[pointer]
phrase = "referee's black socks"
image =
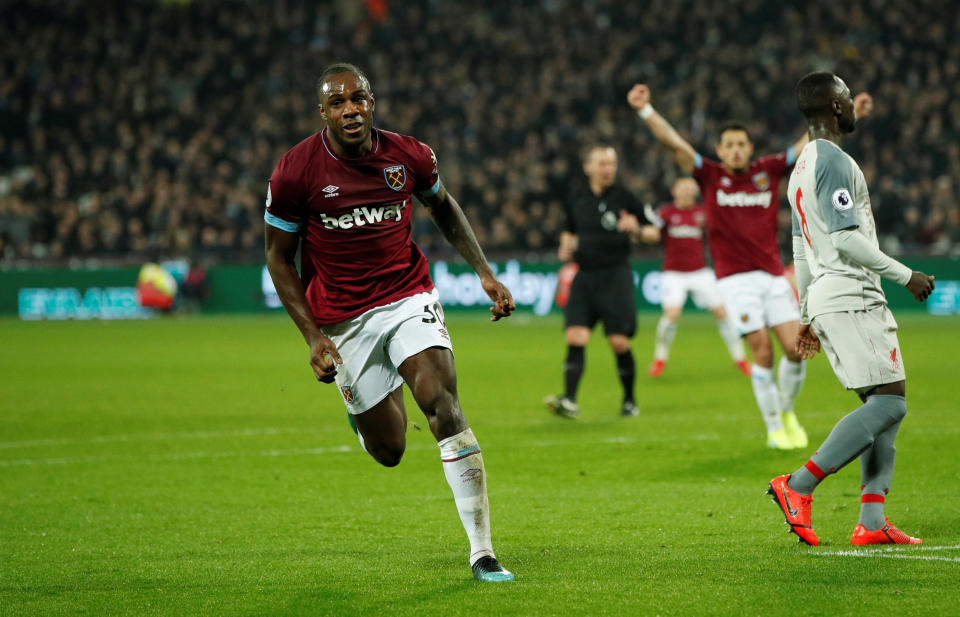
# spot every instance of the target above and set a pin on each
(573, 371)
(627, 371)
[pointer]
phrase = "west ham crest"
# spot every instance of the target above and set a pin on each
(347, 394)
(396, 176)
(761, 181)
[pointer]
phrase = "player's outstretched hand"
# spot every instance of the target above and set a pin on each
(920, 285)
(863, 105)
(324, 358)
(638, 96)
(807, 342)
(503, 303)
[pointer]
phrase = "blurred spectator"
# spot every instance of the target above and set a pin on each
(136, 128)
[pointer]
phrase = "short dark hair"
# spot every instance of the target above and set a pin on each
(732, 125)
(335, 69)
(587, 150)
(815, 91)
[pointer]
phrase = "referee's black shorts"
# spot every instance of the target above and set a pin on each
(606, 295)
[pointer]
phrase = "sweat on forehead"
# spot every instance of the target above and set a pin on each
(340, 72)
(343, 82)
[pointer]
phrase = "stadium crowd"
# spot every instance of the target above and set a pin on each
(146, 129)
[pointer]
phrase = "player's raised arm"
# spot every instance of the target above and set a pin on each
(452, 222)
(639, 99)
(281, 251)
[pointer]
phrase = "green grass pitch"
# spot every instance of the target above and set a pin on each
(192, 466)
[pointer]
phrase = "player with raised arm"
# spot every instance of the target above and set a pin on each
(741, 198)
(364, 300)
(844, 312)
(685, 272)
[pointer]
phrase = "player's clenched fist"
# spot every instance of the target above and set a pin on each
(920, 285)
(503, 303)
(862, 105)
(324, 367)
(638, 96)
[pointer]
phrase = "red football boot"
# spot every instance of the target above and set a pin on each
(744, 367)
(656, 369)
(796, 509)
(888, 534)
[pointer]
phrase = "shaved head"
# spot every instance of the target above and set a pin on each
(822, 95)
(816, 92)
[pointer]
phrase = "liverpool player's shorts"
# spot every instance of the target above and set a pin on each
(757, 299)
(862, 347)
(604, 294)
(373, 344)
(701, 284)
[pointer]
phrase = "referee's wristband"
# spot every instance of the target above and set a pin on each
(645, 112)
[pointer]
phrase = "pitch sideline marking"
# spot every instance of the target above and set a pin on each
(895, 552)
(26, 462)
(66, 441)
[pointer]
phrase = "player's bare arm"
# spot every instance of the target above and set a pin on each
(452, 222)
(639, 99)
(281, 251)
(568, 246)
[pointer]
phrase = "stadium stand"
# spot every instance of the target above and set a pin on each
(133, 130)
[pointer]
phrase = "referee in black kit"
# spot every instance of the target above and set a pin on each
(602, 220)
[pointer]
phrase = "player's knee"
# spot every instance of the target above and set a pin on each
(763, 357)
(898, 409)
(578, 336)
(619, 344)
(387, 453)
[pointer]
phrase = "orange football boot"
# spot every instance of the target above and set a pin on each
(744, 367)
(888, 534)
(796, 509)
(656, 369)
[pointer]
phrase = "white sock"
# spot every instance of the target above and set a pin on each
(666, 330)
(768, 399)
(790, 376)
(729, 335)
(463, 466)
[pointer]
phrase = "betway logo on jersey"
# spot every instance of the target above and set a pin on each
(684, 231)
(742, 199)
(364, 215)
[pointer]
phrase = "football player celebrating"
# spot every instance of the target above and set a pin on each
(364, 301)
(685, 272)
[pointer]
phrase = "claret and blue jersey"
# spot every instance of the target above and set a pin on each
(354, 219)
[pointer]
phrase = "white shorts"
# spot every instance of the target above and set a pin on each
(374, 344)
(757, 299)
(862, 347)
(701, 284)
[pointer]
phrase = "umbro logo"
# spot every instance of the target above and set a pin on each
(330, 190)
